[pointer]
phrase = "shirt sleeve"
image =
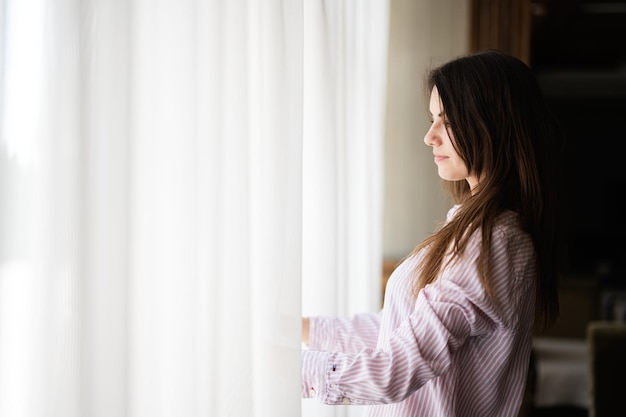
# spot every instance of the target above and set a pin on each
(446, 314)
(342, 334)
(420, 349)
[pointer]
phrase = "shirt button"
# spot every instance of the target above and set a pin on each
(346, 400)
(312, 393)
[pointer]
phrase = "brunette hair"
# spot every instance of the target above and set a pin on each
(507, 136)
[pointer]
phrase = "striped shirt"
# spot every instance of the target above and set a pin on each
(453, 351)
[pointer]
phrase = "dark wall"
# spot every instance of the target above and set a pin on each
(578, 50)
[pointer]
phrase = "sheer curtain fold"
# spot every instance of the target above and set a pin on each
(345, 69)
(217, 141)
(153, 198)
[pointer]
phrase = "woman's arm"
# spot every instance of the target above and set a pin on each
(447, 313)
(341, 334)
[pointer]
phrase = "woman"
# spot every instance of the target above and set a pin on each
(454, 336)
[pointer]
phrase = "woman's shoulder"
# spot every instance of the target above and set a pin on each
(452, 211)
(508, 232)
(509, 221)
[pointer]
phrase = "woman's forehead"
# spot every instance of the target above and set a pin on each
(436, 107)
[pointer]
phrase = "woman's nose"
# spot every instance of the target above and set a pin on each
(430, 137)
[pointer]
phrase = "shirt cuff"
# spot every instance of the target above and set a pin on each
(320, 375)
(314, 369)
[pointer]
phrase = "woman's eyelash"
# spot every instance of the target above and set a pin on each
(445, 122)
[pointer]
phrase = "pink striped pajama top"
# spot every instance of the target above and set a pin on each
(451, 352)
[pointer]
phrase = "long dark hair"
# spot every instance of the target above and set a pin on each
(506, 136)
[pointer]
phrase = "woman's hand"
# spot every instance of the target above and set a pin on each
(305, 330)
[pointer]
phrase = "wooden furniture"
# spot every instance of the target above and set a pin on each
(607, 368)
(504, 25)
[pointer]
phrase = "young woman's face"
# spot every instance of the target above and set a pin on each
(450, 166)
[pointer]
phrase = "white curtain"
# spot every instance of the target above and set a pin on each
(152, 207)
(345, 73)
